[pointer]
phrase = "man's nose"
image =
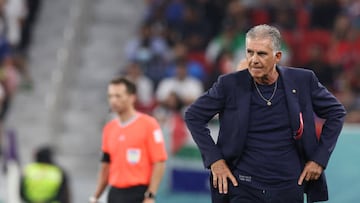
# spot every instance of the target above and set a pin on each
(255, 58)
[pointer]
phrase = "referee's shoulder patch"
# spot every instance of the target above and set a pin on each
(158, 136)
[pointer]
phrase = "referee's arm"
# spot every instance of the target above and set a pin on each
(157, 174)
(102, 177)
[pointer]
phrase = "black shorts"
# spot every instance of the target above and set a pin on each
(127, 195)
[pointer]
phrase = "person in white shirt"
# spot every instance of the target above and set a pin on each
(145, 94)
(186, 87)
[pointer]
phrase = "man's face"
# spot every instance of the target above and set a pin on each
(119, 99)
(261, 58)
(181, 71)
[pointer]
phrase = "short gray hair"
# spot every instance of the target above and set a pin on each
(266, 31)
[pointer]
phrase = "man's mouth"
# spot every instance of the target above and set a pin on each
(257, 68)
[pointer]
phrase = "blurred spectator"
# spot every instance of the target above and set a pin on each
(170, 116)
(2, 101)
(222, 65)
(353, 117)
(341, 27)
(172, 104)
(229, 39)
(194, 29)
(180, 53)
(44, 181)
(323, 70)
(188, 88)
(166, 17)
(354, 89)
(283, 17)
(174, 13)
(146, 45)
(162, 28)
(343, 50)
(150, 50)
(17, 18)
(286, 54)
(33, 9)
(237, 13)
(213, 11)
(320, 34)
(323, 13)
(15, 14)
(355, 79)
(9, 80)
(353, 11)
(145, 100)
(9, 76)
(2, 17)
(343, 91)
(5, 48)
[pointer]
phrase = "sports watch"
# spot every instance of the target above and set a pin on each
(149, 195)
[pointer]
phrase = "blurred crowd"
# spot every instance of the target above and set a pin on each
(182, 46)
(17, 19)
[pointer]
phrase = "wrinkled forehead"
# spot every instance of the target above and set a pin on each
(259, 44)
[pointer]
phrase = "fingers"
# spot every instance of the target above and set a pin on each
(224, 186)
(312, 171)
(221, 183)
(214, 182)
(233, 180)
(301, 179)
(221, 173)
(308, 176)
(317, 176)
(225, 183)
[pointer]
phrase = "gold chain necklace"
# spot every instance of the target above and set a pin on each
(268, 101)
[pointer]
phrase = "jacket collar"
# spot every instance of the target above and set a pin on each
(291, 88)
(292, 91)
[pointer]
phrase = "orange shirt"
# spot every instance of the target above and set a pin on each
(133, 148)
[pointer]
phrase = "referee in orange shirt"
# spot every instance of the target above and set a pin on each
(134, 155)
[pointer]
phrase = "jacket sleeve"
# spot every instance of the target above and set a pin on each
(327, 107)
(197, 117)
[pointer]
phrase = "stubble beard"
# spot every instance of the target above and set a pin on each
(266, 79)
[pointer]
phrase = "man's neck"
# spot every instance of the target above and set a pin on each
(127, 116)
(268, 79)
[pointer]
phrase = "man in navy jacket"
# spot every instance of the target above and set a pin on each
(267, 149)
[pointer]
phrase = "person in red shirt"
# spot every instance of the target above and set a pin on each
(134, 153)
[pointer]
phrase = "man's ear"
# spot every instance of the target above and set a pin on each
(278, 56)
